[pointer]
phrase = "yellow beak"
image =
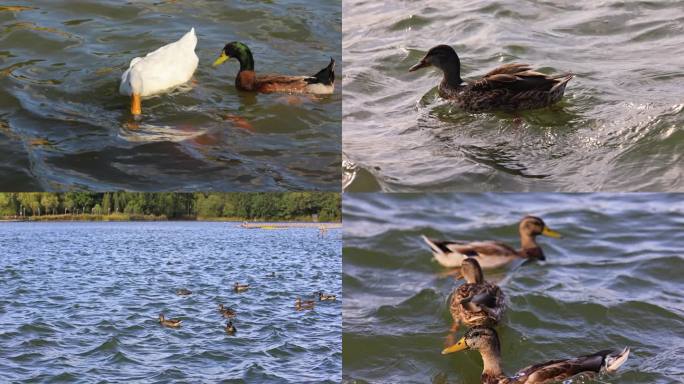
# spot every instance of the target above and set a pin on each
(221, 59)
(550, 232)
(460, 346)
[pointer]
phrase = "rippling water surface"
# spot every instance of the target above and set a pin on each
(63, 124)
(614, 279)
(79, 303)
(619, 127)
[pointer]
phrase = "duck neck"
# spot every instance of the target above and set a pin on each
(528, 242)
(246, 60)
(452, 73)
(491, 359)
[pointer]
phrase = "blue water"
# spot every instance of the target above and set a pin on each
(79, 303)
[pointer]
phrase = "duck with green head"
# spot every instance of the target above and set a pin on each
(322, 83)
(509, 87)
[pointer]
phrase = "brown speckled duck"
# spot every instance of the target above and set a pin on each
(477, 302)
(240, 287)
(302, 305)
(227, 312)
(486, 341)
(509, 87)
(171, 323)
(493, 254)
(324, 296)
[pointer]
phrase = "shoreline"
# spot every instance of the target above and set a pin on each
(248, 224)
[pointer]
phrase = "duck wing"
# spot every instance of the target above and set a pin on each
(518, 78)
(557, 370)
(483, 249)
(451, 253)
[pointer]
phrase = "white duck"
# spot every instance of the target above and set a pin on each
(160, 71)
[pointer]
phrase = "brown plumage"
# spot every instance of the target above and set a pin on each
(493, 254)
(227, 312)
(171, 323)
(509, 87)
(486, 341)
(477, 301)
(302, 305)
(322, 83)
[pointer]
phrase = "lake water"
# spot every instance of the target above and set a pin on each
(63, 124)
(79, 303)
(613, 280)
(619, 127)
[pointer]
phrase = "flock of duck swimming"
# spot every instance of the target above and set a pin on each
(174, 64)
(230, 313)
(480, 305)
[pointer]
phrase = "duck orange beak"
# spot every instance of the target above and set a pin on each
(136, 108)
(421, 64)
(459, 346)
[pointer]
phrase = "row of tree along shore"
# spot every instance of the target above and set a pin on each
(126, 206)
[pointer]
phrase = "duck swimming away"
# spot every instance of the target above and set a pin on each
(160, 71)
(509, 87)
(477, 302)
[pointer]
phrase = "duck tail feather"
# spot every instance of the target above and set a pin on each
(614, 361)
(326, 75)
(432, 245)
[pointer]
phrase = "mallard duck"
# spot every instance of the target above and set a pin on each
(321, 83)
(183, 292)
(325, 297)
(493, 254)
(230, 328)
(171, 323)
(160, 71)
(508, 87)
(477, 302)
(227, 312)
(486, 341)
(304, 305)
(240, 287)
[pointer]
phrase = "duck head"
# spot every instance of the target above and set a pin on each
(238, 51)
(481, 338)
(444, 58)
(533, 226)
(471, 271)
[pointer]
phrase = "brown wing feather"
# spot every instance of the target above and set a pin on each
(461, 314)
(280, 83)
(508, 69)
(556, 370)
(516, 78)
(484, 248)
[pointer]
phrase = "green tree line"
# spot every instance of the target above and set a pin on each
(239, 206)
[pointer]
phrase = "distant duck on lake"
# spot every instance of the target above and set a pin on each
(230, 328)
(171, 323)
(240, 287)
